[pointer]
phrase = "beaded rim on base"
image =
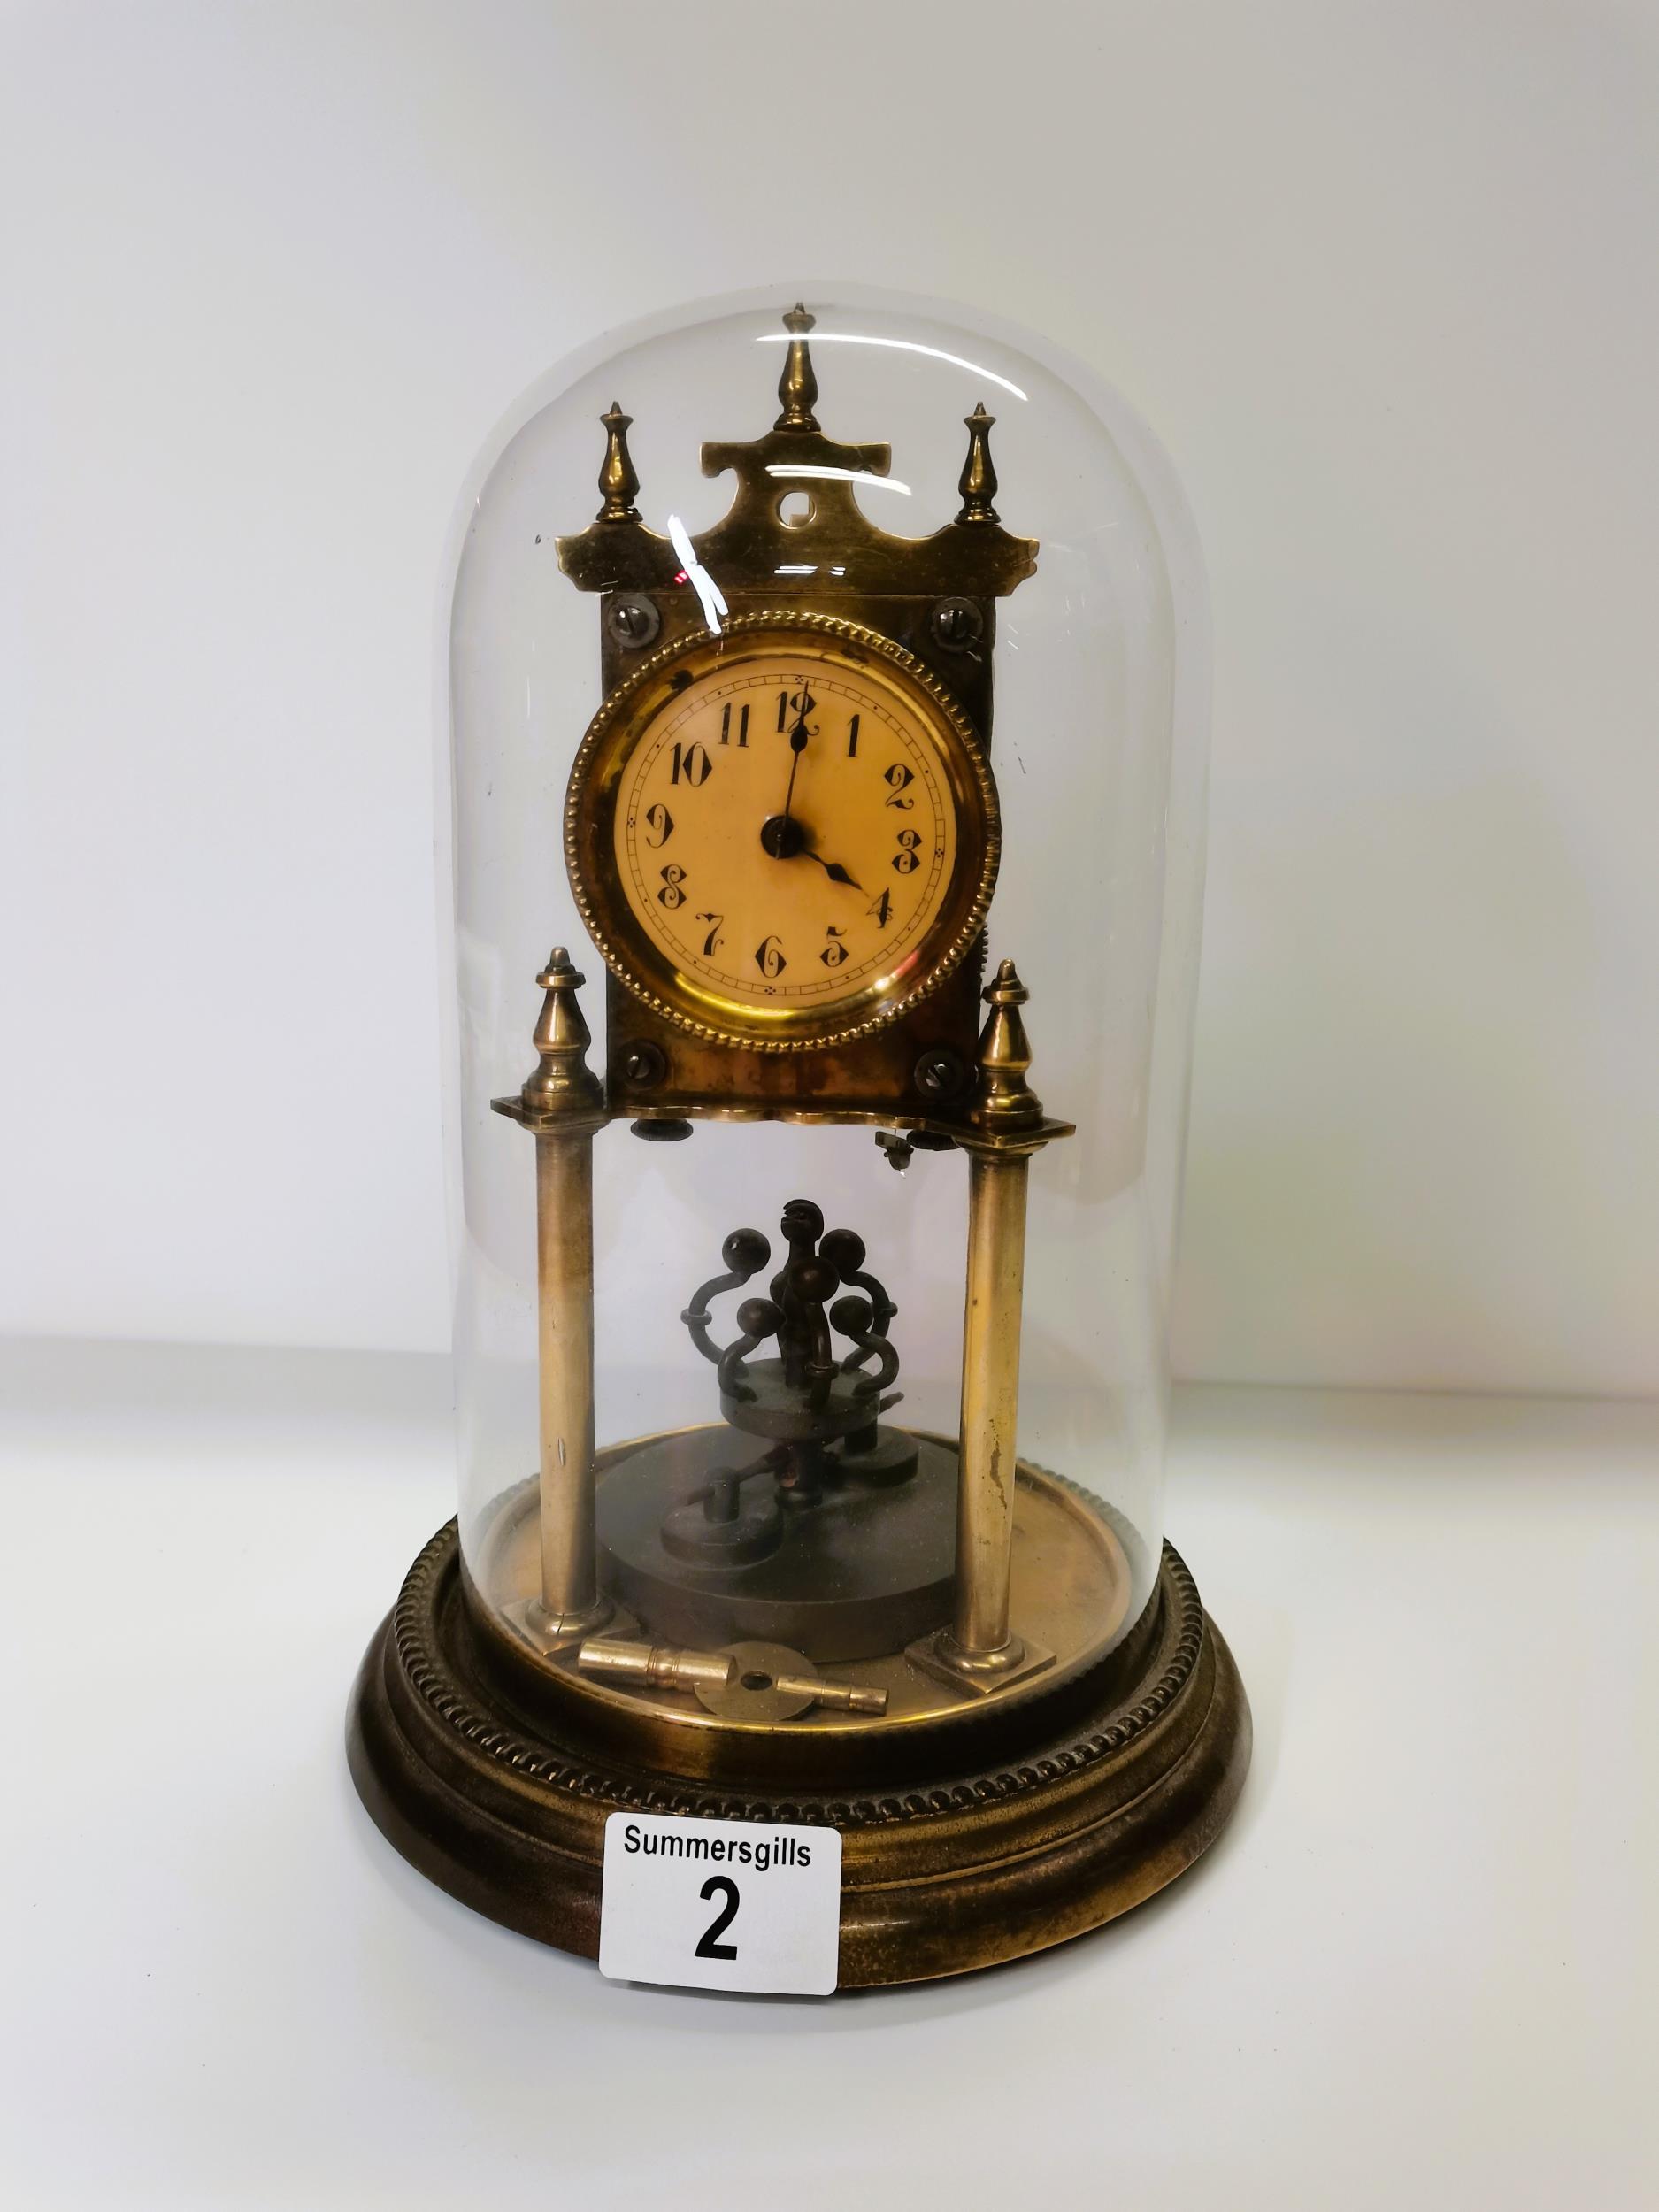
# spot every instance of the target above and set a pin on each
(957, 1872)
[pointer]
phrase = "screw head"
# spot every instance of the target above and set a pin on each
(633, 622)
(956, 624)
(643, 1066)
(939, 1073)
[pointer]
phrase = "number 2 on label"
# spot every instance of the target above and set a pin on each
(709, 1947)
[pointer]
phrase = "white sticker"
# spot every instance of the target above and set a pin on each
(721, 1904)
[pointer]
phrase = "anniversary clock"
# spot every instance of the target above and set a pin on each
(811, 1363)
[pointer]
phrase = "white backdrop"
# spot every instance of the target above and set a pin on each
(1383, 279)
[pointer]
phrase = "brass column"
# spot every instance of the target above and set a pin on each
(565, 1298)
(980, 1649)
(563, 1106)
(990, 1405)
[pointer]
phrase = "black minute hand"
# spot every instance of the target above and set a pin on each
(797, 745)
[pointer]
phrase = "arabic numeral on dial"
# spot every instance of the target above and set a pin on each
(882, 909)
(660, 823)
(671, 894)
(852, 738)
(690, 764)
(835, 952)
(795, 705)
(742, 728)
(769, 958)
(712, 943)
(905, 859)
(896, 779)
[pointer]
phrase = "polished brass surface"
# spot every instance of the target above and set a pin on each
(561, 1103)
(935, 597)
(979, 1646)
(797, 387)
(1005, 1665)
(561, 1091)
(1075, 1580)
(869, 1080)
(972, 557)
(1005, 1102)
(990, 1403)
(571, 1601)
(1036, 1825)
(978, 482)
(818, 649)
(619, 482)
(770, 1682)
(655, 1666)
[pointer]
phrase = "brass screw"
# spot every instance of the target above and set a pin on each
(633, 623)
(643, 1064)
(958, 623)
(939, 1073)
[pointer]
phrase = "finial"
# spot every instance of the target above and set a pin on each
(616, 480)
(1006, 1101)
(977, 480)
(563, 1082)
(797, 387)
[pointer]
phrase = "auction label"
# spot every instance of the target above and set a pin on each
(721, 1904)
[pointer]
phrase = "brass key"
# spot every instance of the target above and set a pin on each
(755, 1682)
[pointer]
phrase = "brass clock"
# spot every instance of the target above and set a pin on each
(783, 835)
(796, 1601)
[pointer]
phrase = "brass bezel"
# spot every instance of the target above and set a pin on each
(640, 965)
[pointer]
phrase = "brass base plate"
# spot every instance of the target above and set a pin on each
(1072, 1586)
(1044, 1823)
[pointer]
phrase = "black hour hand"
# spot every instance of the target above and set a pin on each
(833, 869)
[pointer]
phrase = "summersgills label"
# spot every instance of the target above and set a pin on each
(720, 1904)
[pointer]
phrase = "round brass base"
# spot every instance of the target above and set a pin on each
(1069, 1815)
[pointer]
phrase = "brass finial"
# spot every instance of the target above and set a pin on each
(1006, 1101)
(797, 387)
(563, 1082)
(617, 481)
(977, 480)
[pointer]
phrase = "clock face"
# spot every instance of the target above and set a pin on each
(784, 834)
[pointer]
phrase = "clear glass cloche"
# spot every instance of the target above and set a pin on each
(827, 695)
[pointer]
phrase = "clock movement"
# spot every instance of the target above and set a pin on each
(810, 1366)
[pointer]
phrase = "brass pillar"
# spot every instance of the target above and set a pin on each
(564, 1304)
(990, 1406)
(980, 1650)
(563, 1106)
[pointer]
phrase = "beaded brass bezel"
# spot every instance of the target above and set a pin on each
(644, 969)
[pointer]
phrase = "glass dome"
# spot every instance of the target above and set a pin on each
(1048, 561)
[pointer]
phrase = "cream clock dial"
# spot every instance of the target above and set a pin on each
(784, 834)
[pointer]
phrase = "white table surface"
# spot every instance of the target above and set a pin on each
(1420, 1971)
